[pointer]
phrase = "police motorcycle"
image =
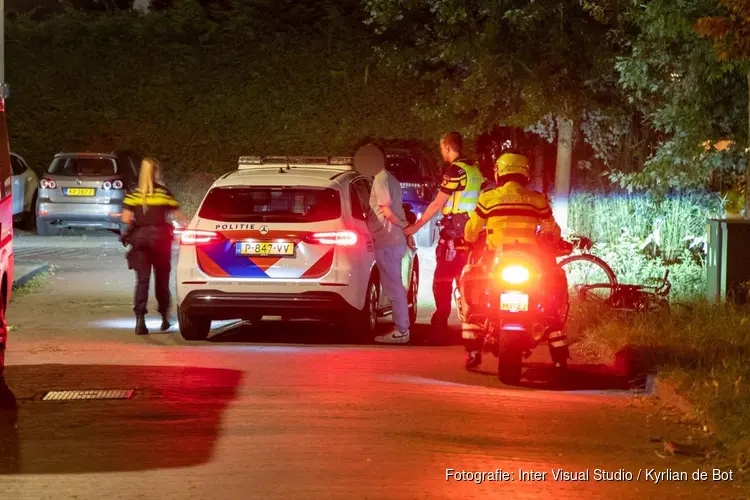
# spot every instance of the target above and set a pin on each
(523, 303)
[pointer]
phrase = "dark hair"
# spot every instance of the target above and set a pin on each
(454, 140)
(519, 178)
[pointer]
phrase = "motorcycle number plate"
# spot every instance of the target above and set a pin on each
(514, 302)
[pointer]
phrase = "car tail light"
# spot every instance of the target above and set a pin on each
(48, 184)
(116, 184)
(338, 238)
(198, 237)
(515, 275)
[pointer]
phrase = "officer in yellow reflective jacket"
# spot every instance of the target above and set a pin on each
(146, 212)
(510, 214)
(457, 199)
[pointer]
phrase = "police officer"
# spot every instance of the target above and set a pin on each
(146, 212)
(458, 196)
(511, 213)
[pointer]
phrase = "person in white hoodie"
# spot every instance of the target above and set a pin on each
(386, 222)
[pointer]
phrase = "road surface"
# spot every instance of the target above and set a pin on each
(295, 411)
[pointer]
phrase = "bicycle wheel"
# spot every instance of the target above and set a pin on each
(589, 277)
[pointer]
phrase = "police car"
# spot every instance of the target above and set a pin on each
(284, 236)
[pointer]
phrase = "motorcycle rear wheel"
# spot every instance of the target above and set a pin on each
(509, 358)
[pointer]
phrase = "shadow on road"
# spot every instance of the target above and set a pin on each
(318, 333)
(172, 419)
(625, 374)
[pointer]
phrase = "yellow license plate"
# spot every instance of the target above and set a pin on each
(263, 249)
(80, 192)
(514, 302)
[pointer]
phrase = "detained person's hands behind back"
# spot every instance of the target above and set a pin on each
(410, 241)
(411, 230)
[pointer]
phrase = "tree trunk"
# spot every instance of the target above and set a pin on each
(562, 172)
(747, 165)
(539, 168)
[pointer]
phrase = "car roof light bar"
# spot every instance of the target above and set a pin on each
(340, 162)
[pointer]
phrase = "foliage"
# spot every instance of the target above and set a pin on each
(673, 76)
(641, 237)
(271, 77)
(731, 33)
(512, 62)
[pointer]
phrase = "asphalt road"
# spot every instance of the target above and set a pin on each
(294, 410)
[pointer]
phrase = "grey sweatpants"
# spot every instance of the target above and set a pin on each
(389, 261)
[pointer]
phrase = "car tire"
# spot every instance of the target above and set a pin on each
(193, 327)
(44, 228)
(413, 295)
(364, 322)
(29, 218)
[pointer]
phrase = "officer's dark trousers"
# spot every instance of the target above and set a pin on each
(152, 253)
(446, 273)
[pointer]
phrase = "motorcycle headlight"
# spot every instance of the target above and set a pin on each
(515, 275)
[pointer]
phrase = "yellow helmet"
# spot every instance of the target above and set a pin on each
(509, 164)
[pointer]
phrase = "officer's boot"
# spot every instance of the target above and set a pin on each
(140, 325)
(473, 344)
(165, 323)
(558, 349)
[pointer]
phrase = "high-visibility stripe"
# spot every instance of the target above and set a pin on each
(468, 334)
(158, 198)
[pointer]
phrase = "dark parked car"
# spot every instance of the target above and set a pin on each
(85, 190)
(420, 182)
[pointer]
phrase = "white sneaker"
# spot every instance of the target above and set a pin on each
(394, 337)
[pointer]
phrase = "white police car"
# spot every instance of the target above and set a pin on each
(284, 236)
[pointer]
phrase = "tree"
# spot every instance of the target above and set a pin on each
(687, 96)
(731, 35)
(510, 62)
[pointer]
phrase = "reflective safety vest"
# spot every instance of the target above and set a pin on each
(511, 214)
(465, 187)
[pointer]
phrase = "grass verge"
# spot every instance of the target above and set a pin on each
(703, 350)
(31, 286)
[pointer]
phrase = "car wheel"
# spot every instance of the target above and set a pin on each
(365, 321)
(193, 327)
(44, 228)
(413, 297)
(29, 218)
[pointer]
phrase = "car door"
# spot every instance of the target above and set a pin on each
(19, 183)
(359, 196)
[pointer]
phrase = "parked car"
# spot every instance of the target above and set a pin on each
(85, 190)
(6, 229)
(25, 191)
(420, 182)
(285, 237)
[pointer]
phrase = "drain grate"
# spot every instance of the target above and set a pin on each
(86, 395)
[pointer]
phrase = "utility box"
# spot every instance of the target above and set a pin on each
(728, 262)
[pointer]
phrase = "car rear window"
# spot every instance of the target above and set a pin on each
(271, 204)
(83, 166)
